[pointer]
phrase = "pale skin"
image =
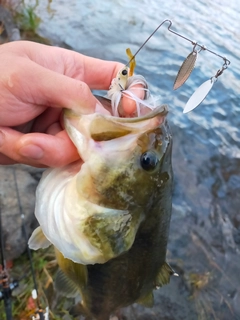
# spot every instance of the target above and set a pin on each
(36, 83)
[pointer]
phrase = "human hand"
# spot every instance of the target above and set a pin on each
(36, 82)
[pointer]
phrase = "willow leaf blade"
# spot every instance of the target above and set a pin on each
(199, 95)
(185, 70)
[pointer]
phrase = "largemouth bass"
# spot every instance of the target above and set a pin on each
(108, 214)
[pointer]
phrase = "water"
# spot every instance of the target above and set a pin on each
(204, 240)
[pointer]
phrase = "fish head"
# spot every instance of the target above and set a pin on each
(125, 166)
(91, 210)
(123, 157)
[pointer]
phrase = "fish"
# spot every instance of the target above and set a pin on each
(108, 214)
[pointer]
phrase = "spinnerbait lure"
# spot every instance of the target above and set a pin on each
(125, 79)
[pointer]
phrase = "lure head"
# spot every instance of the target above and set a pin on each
(125, 73)
(118, 85)
(122, 78)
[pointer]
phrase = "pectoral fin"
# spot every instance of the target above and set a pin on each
(112, 234)
(164, 275)
(77, 273)
(78, 310)
(38, 240)
(65, 286)
(146, 301)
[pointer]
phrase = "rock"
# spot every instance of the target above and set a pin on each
(11, 31)
(15, 242)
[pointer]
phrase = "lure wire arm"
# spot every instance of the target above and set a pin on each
(202, 47)
(148, 39)
(226, 61)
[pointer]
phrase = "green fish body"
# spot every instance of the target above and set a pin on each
(108, 215)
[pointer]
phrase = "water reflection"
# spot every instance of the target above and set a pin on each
(205, 231)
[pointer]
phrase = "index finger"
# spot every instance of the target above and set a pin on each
(96, 73)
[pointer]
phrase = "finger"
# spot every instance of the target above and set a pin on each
(4, 160)
(97, 73)
(38, 149)
(46, 119)
(45, 87)
(58, 150)
(128, 106)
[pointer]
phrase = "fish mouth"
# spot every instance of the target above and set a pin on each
(99, 127)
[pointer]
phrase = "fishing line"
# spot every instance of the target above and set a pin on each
(24, 231)
(35, 291)
(5, 286)
(1, 235)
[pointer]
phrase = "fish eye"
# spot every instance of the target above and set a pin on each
(149, 160)
(124, 72)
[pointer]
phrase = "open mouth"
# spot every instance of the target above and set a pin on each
(145, 110)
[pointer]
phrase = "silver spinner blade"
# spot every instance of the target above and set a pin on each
(199, 95)
(185, 70)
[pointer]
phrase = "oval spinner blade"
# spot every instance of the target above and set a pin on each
(185, 70)
(199, 95)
